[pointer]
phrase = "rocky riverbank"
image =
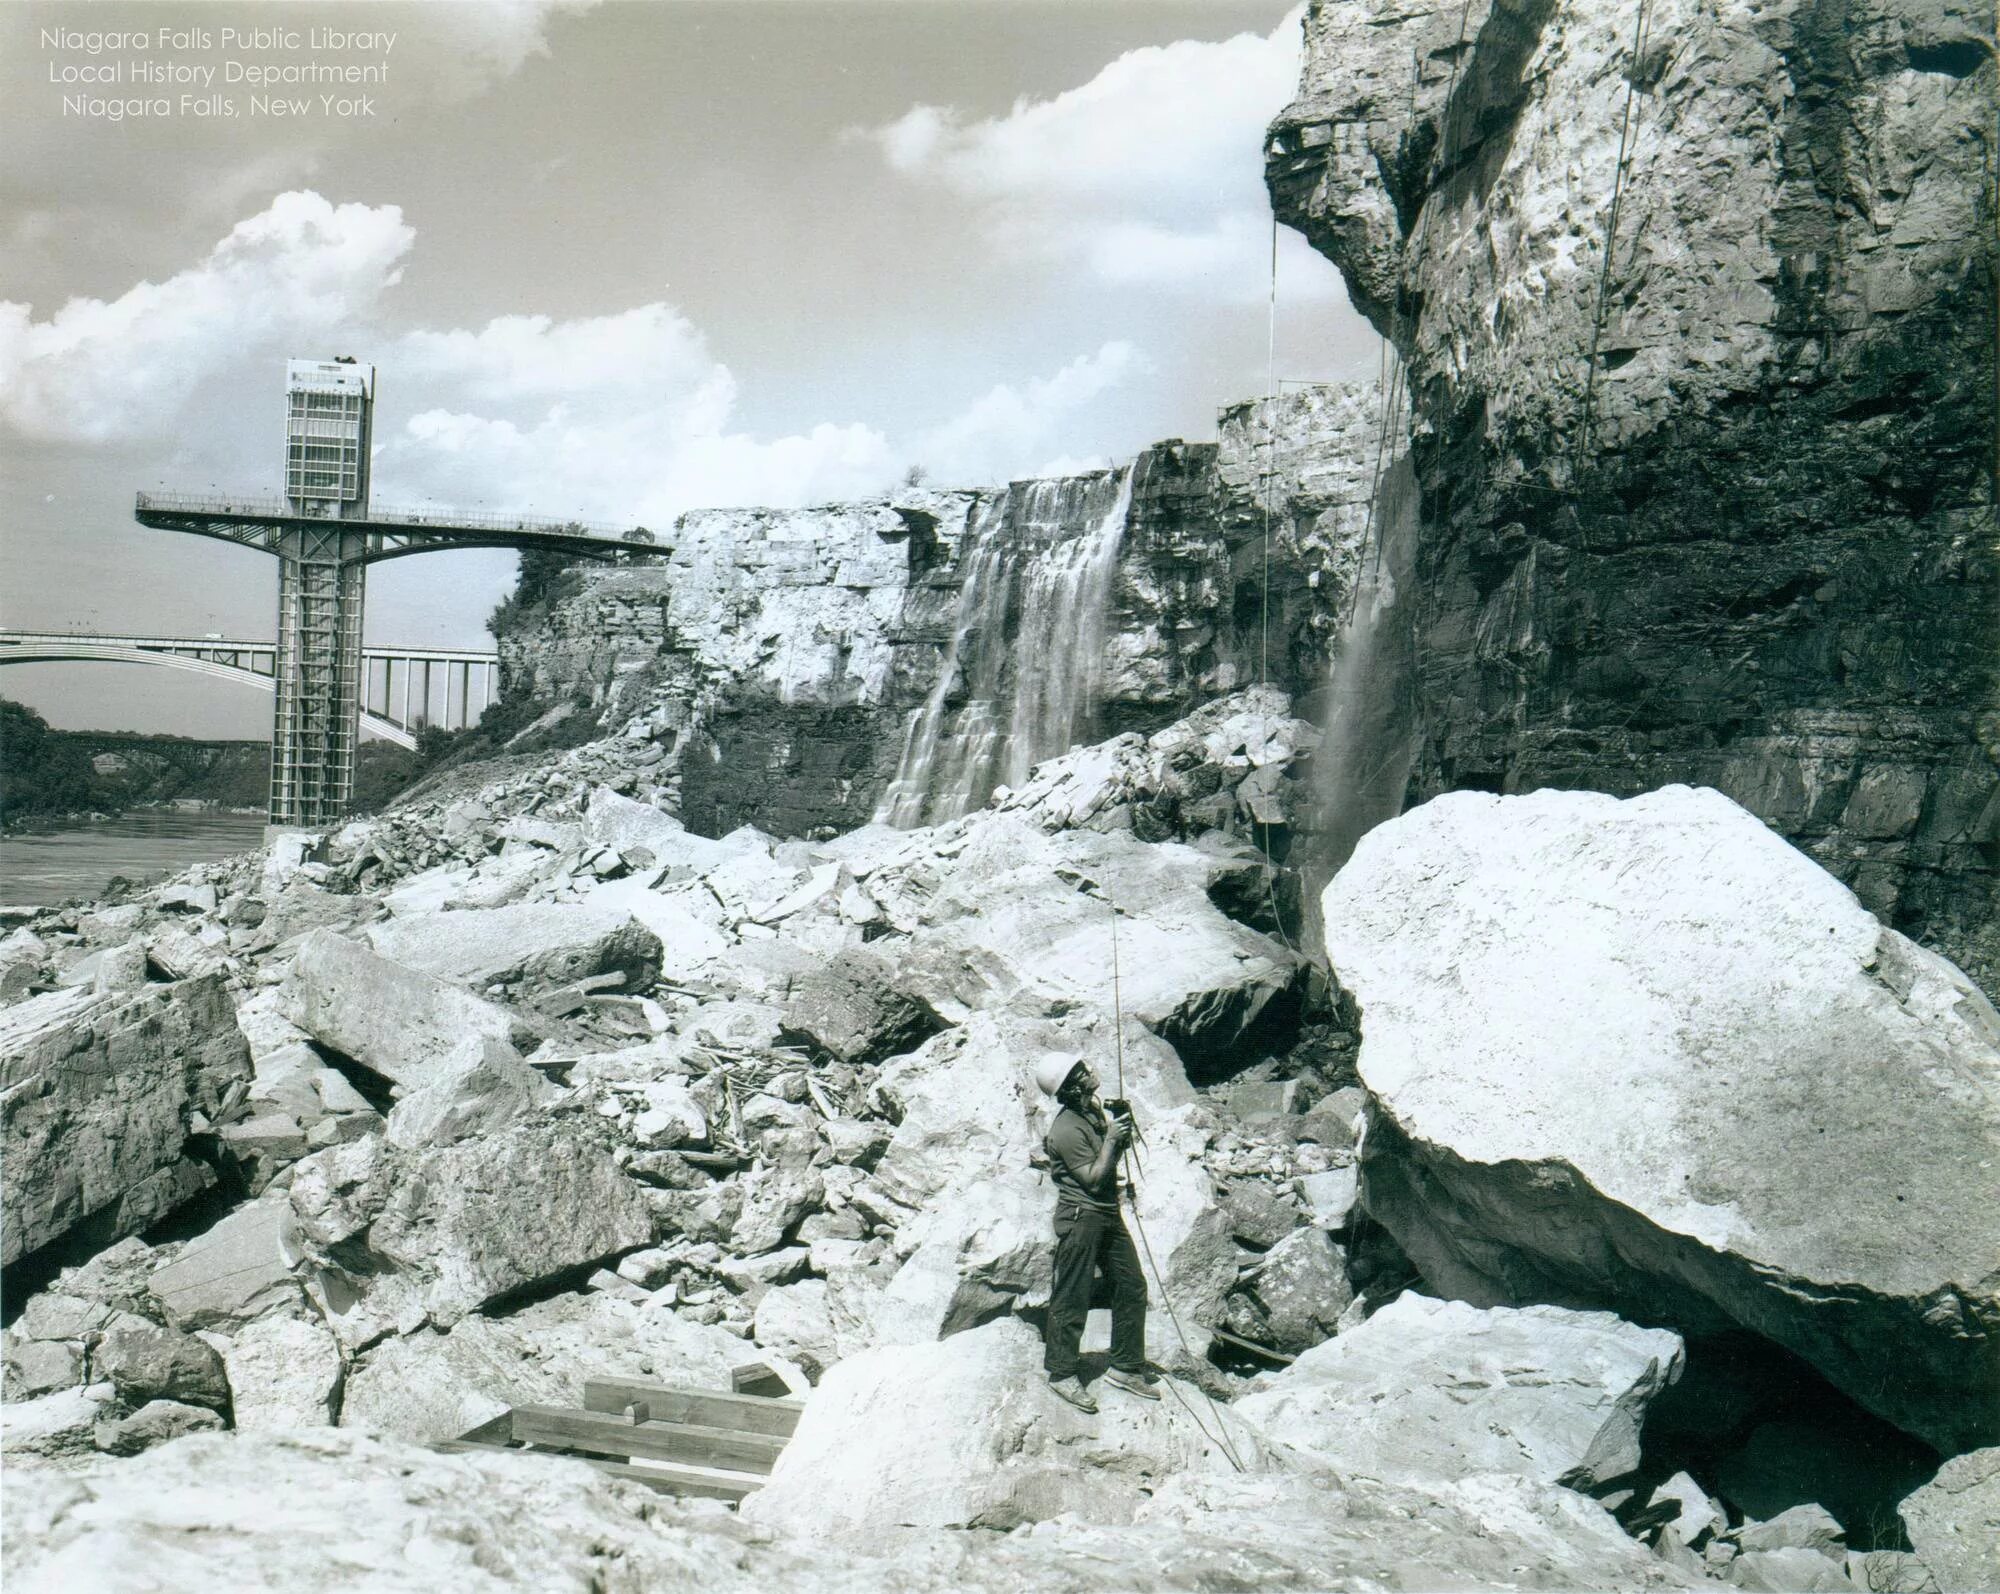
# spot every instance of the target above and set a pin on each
(313, 1160)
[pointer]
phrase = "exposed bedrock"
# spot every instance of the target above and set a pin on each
(1643, 1055)
(1751, 543)
(787, 668)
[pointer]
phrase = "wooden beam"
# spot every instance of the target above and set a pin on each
(606, 1435)
(495, 1431)
(757, 1414)
(704, 1483)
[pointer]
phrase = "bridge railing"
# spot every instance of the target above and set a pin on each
(254, 508)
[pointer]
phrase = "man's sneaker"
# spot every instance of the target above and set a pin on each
(1138, 1383)
(1072, 1390)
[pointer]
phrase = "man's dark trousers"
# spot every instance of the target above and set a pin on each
(1086, 1239)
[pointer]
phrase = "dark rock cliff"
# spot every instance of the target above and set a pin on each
(1718, 507)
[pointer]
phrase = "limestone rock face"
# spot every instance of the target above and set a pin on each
(1705, 501)
(99, 1091)
(1954, 1521)
(555, 942)
(1646, 1056)
(397, 1236)
(1429, 1388)
(965, 1433)
(404, 1024)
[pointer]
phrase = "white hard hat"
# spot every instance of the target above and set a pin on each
(1054, 1068)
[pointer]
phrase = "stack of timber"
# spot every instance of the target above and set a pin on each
(695, 1442)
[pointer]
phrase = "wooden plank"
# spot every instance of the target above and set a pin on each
(606, 1435)
(705, 1483)
(701, 1483)
(496, 1431)
(1253, 1347)
(710, 1408)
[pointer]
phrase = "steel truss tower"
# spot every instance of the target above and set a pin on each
(325, 536)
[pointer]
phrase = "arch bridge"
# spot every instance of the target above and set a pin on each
(402, 690)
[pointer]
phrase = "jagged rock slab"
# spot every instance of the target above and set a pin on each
(1645, 1055)
(1003, 912)
(52, 1430)
(557, 942)
(236, 1271)
(1954, 1522)
(98, 1094)
(1429, 1388)
(152, 1424)
(397, 1236)
(404, 1024)
(851, 1010)
(431, 1385)
(1300, 1289)
(147, 1362)
(965, 1433)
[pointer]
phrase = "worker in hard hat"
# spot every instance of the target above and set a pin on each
(1084, 1145)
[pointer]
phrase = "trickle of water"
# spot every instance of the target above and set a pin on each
(1022, 675)
(1371, 723)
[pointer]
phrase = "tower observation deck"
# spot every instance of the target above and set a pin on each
(325, 535)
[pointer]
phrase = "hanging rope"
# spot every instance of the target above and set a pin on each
(1220, 1437)
(1625, 125)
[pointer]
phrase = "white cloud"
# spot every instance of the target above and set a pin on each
(1151, 172)
(996, 436)
(464, 47)
(99, 370)
(628, 415)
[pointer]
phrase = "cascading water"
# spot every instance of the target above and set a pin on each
(1371, 721)
(1022, 676)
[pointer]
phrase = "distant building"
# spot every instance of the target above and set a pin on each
(328, 405)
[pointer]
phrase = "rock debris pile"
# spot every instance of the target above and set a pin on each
(311, 1160)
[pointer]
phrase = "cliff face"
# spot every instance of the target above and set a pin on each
(778, 657)
(1751, 543)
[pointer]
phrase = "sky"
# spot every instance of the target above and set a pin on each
(612, 260)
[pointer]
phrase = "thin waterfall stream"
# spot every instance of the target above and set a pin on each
(1022, 676)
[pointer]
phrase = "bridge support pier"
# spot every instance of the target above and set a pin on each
(321, 583)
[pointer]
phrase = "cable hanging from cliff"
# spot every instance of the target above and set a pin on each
(1582, 444)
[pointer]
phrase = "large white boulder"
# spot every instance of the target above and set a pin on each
(395, 1236)
(966, 1433)
(1645, 1055)
(327, 1509)
(1430, 1389)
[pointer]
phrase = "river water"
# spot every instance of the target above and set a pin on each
(38, 868)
